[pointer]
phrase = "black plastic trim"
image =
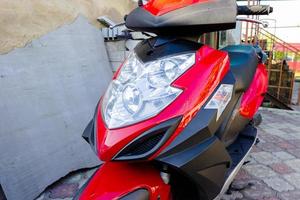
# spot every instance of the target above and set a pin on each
(167, 128)
(89, 134)
(205, 163)
(198, 153)
(88, 131)
(159, 47)
(243, 144)
(2, 194)
(203, 125)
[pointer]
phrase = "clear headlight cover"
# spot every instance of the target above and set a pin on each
(143, 90)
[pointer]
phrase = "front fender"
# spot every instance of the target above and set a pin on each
(124, 181)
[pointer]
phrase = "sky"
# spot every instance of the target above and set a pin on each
(286, 13)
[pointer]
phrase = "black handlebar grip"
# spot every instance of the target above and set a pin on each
(254, 10)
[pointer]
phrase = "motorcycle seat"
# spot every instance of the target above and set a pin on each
(243, 64)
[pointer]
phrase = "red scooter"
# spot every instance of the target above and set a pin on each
(176, 120)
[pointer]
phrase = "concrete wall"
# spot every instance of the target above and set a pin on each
(53, 69)
(21, 21)
(116, 53)
(48, 93)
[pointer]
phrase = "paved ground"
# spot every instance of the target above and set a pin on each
(274, 168)
(272, 174)
(295, 95)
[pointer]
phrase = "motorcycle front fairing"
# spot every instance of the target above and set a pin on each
(178, 151)
(197, 84)
(129, 145)
(185, 132)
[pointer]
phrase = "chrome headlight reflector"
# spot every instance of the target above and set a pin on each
(142, 90)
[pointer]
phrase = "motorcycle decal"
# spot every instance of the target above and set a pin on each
(220, 99)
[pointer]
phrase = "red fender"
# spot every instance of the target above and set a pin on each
(254, 96)
(115, 180)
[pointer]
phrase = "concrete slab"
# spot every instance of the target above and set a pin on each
(48, 92)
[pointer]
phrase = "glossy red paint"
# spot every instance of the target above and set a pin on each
(116, 179)
(197, 83)
(254, 96)
(160, 7)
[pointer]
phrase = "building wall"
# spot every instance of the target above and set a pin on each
(54, 67)
(49, 90)
(21, 21)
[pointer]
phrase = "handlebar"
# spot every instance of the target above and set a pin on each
(254, 10)
(245, 19)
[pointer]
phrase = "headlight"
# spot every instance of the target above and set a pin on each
(143, 90)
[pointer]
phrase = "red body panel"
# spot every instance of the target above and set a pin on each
(254, 96)
(160, 7)
(198, 84)
(126, 178)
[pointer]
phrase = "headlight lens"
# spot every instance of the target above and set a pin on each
(143, 90)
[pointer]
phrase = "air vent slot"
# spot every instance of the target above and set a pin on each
(149, 142)
(142, 146)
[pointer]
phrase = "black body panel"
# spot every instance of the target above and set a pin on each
(159, 47)
(197, 151)
(203, 17)
(205, 163)
(241, 146)
(243, 64)
(204, 124)
(2, 195)
(232, 125)
(89, 134)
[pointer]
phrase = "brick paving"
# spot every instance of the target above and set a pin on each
(273, 172)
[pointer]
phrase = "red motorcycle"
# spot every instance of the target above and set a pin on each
(176, 120)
